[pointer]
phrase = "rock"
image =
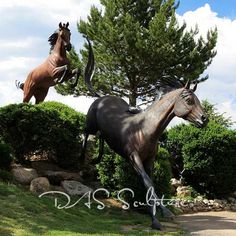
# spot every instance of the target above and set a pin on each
(218, 201)
(183, 191)
(175, 183)
(232, 208)
(195, 209)
(57, 188)
(232, 200)
(211, 203)
(75, 188)
(224, 202)
(199, 198)
(55, 177)
(40, 185)
(227, 208)
(205, 201)
(234, 194)
(216, 205)
(23, 175)
(43, 166)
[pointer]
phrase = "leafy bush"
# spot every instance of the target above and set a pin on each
(48, 127)
(208, 156)
(116, 173)
(5, 176)
(5, 155)
(162, 172)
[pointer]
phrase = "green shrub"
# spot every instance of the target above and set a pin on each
(48, 127)
(5, 176)
(116, 173)
(5, 155)
(162, 172)
(208, 156)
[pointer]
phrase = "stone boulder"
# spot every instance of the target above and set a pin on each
(55, 177)
(40, 185)
(183, 191)
(75, 188)
(23, 175)
(43, 166)
(175, 183)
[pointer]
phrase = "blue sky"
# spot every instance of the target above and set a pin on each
(224, 8)
(26, 26)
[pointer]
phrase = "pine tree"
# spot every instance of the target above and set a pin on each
(138, 43)
(215, 116)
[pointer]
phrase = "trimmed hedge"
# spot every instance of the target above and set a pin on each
(49, 127)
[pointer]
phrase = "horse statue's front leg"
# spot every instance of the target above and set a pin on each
(58, 70)
(67, 75)
(153, 199)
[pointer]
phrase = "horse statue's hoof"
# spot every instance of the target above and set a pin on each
(134, 110)
(156, 225)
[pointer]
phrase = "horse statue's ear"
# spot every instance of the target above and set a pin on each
(194, 87)
(67, 24)
(187, 85)
(60, 25)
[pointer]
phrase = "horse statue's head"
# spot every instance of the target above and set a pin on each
(188, 107)
(64, 33)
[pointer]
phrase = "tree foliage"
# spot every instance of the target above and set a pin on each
(214, 115)
(138, 43)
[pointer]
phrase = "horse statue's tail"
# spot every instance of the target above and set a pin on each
(89, 71)
(19, 85)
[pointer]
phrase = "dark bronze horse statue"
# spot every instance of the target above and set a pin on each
(55, 69)
(135, 136)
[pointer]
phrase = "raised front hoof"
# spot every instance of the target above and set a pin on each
(156, 225)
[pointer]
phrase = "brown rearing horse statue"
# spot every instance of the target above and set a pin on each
(135, 136)
(54, 70)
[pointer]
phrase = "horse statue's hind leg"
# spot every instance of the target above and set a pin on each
(40, 94)
(28, 93)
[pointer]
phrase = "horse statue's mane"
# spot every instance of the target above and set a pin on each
(53, 39)
(169, 83)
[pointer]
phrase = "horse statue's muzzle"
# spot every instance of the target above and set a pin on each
(68, 47)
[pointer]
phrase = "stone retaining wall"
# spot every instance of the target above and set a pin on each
(201, 205)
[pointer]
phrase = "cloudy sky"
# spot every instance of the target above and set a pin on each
(26, 25)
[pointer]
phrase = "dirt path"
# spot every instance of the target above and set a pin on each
(221, 223)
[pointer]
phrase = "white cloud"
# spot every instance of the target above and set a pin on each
(17, 63)
(220, 88)
(228, 108)
(80, 104)
(22, 44)
(69, 10)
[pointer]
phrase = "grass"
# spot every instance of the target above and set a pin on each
(24, 214)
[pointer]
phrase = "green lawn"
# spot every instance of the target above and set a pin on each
(22, 214)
